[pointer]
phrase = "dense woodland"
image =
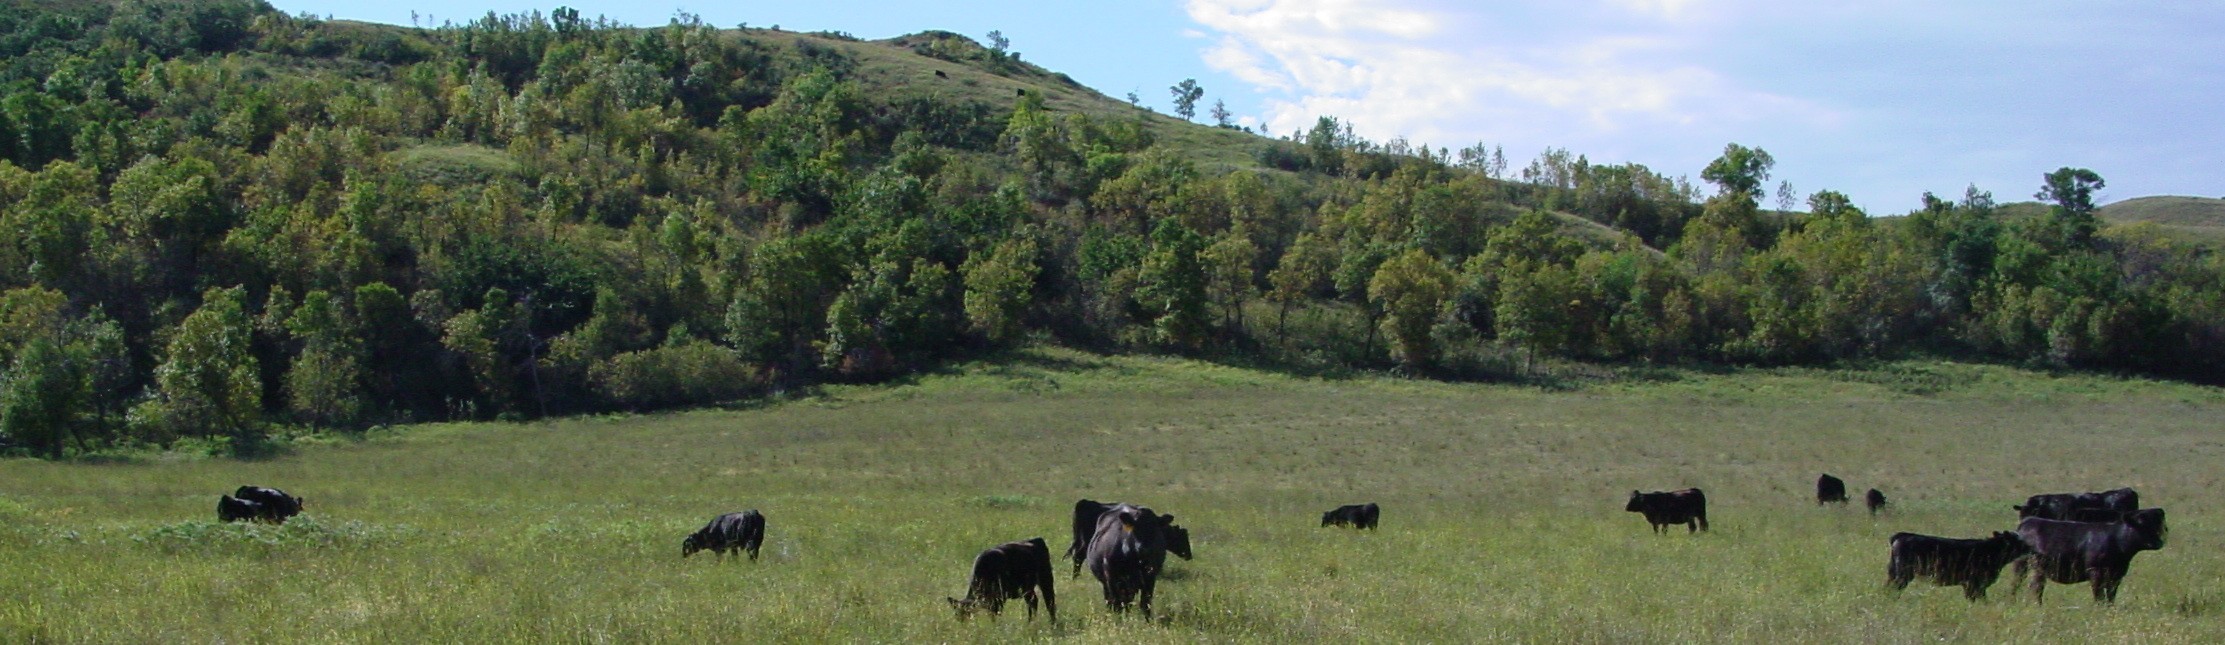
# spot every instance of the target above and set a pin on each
(224, 224)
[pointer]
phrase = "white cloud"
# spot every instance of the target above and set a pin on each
(1442, 73)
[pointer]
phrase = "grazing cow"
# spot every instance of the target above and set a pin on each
(1875, 500)
(1687, 507)
(2097, 552)
(940, 74)
(1007, 571)
(744, 531)
(233, 509)
(1085, 526)
(274, 505)
(1127, 553)
(1359, 516)
(2105, 506)
(1086, 514)
(1829, 490)
(1178, 540)
(1974, 564)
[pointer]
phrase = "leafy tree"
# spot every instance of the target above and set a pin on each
(1302, 272)
(1221, 114)
(999, 286)
(1740, 171)
(1228, 263)
(2071, 219)
(1186, 95)
(1172, 286)
(323, 384)
(44, 398)
(1411, 289)
(206, 384)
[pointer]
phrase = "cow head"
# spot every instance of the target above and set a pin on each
(2008, 545)
(1178, 539)
(963, 607)
(689, 546)
(2148, 523)
(1635, 504)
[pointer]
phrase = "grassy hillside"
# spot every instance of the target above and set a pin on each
(2194, 219)
(1502, 513)
(2189, 212)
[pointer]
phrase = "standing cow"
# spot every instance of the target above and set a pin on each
(1875, 500)
(1088, 512)
(2097, 552)
(1687, 507)
(2105, 506)
(259, 504)
(1830, 490)
(1358, 516)
(1007, 571)
(744, 531)
(233, 509)
(1126, 554)
(1974, 564)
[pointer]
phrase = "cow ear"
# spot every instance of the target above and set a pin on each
(1167, 519)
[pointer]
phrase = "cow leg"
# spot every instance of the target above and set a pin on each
(2105, 585)
(1897, 577)
(1029, 596)
(1150, 584)
(2039, 587)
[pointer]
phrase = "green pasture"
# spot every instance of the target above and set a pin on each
(1502, 513)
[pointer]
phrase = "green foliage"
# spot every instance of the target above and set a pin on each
(1741, 171)
(1411, 289)
(694, 372)
(1171, 286)
(1186, 95)
(481, 219)
(999, 285)
(207, 383)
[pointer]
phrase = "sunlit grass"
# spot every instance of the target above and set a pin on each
(1502, 513)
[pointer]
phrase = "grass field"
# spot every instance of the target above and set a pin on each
(1502, 513)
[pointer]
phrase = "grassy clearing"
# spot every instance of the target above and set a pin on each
(1502, 513)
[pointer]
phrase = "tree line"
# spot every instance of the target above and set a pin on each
(227, 223)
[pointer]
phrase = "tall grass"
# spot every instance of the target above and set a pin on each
(1502, 513)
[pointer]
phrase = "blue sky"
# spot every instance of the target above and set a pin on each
(1879, 99)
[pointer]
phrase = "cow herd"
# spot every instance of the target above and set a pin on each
(2067, 538)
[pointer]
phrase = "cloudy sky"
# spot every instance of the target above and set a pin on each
(1880, 99)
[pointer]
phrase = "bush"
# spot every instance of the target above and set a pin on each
(695, 372)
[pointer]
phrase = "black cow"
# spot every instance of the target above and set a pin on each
(2097, 552)
(1085, 526)
(272, 505)
(744, 531)
(1875, 500)
(1086, 514)
(2105, 506)
(1007, 571)
(940, 74)
(1974, 564)
(1359, 516)
(1687, 507)
(233, 509)
(1127, 553)
(1830, 490)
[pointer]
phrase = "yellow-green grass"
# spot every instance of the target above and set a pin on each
(1502, 513)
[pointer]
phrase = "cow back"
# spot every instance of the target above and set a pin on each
(1830, 489)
